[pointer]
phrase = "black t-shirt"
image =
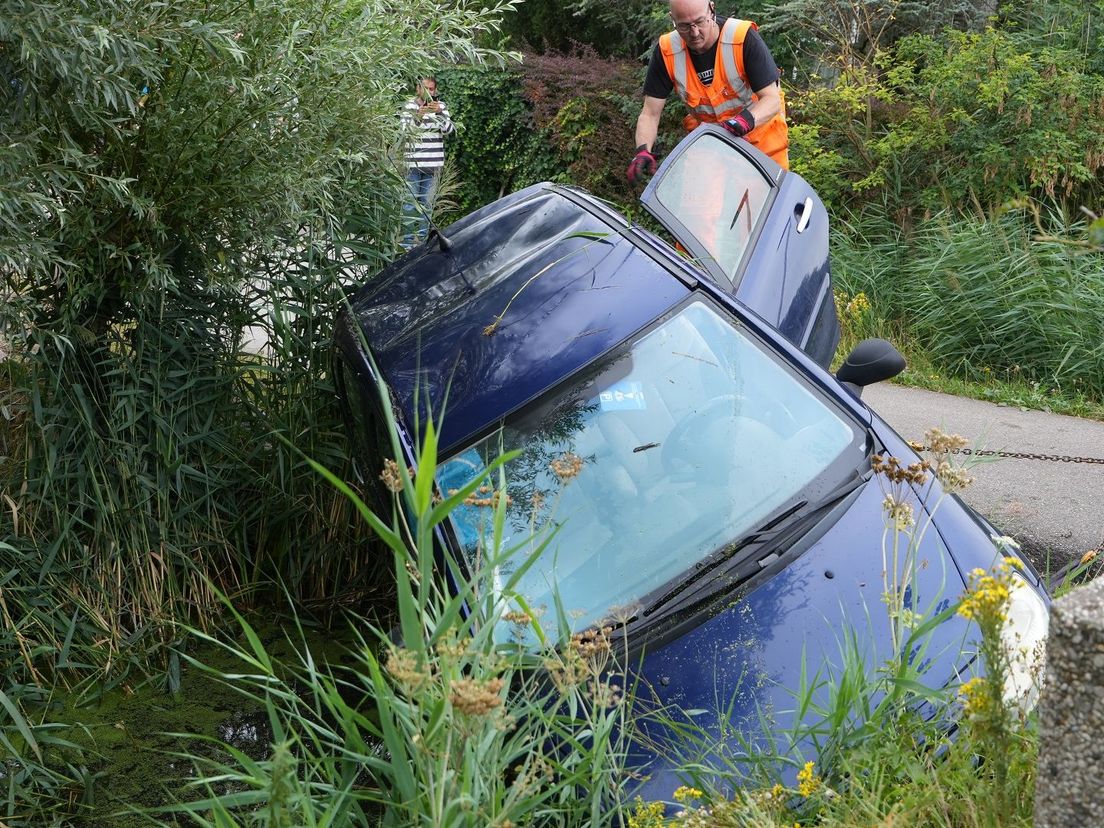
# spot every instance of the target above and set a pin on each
(761, 69)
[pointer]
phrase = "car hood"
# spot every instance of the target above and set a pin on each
(739, 668)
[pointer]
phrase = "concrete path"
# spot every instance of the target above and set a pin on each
(1055, 509)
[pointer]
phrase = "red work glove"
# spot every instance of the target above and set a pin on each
(741, 125)
(643, 163)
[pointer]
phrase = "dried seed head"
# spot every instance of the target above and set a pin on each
(604, 694)
(953, 478)
(487, 501)
(403, 666)
(891, 467)
(451, 648)
(939, 442)
(473, 697)
(391, 477)
(592, 643)
(567, 466)
(567, 670)
(898, 513)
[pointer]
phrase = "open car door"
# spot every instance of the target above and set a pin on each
(758, 231)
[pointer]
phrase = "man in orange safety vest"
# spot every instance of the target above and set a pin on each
(724, 73)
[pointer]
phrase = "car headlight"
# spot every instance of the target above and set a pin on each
(1024, 638)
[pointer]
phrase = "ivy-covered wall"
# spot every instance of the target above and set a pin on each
(498, 148)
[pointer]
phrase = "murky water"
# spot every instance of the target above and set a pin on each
(130, 738)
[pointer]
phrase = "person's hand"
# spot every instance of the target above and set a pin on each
(741, 125)
(643, 163)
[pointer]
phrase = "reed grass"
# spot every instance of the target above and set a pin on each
(443, 720)
(1015, 296)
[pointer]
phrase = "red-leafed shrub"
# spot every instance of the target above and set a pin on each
(588, 106)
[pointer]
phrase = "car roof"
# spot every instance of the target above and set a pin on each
(528, 290)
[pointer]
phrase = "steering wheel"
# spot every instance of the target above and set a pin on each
(707, 422)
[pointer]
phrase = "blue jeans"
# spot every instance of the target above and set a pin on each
(418, 207)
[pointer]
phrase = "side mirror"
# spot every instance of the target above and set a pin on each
(872, 360)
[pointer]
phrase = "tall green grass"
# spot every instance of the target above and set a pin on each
(150, 466)
(1005, 296)
(46, 779)
(443, 721)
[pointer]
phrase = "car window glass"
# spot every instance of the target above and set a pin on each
(718, 195)
(673, 447)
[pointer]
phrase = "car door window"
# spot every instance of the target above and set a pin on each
(718, 195)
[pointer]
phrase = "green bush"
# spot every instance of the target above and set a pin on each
(170, 176)
(955, 120)
(498, 148)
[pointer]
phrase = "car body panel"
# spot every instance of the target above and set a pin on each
(742, 666)
(506, 310)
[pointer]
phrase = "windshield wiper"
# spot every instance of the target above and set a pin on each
(774, 530)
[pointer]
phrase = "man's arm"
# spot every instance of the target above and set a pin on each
(762, 75)
(768, 105)
(444, 120)
(647, 124)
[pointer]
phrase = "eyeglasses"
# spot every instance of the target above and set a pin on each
(699, 24)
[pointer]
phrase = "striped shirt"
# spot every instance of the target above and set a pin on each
(425, 146)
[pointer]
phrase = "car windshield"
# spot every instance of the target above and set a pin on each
(668, 449)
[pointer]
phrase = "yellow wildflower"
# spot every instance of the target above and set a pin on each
(646, 815)
(987, 596)
(973, 695)
(686, 793)
(807, 781)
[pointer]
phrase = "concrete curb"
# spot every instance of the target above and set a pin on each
(1071, 714)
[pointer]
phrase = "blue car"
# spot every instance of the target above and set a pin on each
(711, 482)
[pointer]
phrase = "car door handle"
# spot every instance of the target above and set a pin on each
(805, 214)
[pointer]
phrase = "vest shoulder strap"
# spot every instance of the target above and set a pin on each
(735, 31)
(672, 43)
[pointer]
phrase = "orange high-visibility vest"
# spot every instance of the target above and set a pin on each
(730, 91)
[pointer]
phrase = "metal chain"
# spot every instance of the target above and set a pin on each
(1017, 455)
(1025, 455)
(1060, 576)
